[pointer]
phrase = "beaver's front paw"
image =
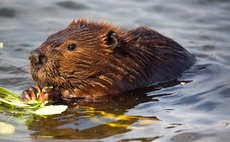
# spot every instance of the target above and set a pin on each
(41, 94)
(33, 93)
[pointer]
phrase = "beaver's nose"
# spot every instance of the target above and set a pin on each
(37, 57)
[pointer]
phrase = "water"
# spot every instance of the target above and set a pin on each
(195, 110)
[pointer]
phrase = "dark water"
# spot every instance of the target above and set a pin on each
(195, 109)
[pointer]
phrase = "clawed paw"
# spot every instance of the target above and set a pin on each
(41, 94)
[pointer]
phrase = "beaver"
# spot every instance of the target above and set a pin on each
(88, 60)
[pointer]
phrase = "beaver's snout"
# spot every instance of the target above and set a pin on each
(37, 57)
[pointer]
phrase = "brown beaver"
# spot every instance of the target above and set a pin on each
(90, 59)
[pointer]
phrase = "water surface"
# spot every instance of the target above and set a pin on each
(196, 108)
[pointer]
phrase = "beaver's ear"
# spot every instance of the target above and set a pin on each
(111, 40)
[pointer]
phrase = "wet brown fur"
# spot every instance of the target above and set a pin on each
(99, 67)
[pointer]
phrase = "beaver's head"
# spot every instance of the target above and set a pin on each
(80, 56)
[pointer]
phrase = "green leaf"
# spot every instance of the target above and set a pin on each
(50, 110)
(14, 104)
(1, 45)
(17, 104)
(6, 92)
(6, 128)
(11, 98)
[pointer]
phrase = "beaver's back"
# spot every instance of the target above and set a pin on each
(154, 58)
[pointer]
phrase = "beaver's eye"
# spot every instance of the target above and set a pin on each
(71, 47)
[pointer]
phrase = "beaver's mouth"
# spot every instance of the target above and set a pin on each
(44, 76)
(44, 70)
(49, 86)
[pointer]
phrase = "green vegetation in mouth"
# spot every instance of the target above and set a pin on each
(12, 103)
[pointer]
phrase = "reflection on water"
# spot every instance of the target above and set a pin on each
(193, 108)
(87, 124)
